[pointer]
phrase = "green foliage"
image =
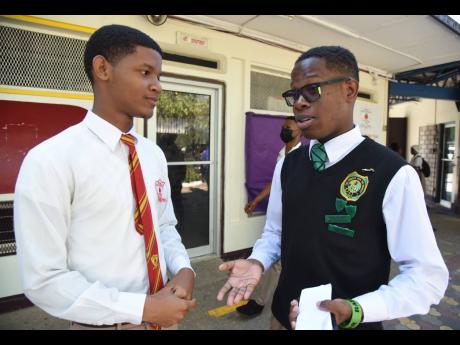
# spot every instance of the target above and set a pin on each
(190, 111)
(182, 105)
(193, 173)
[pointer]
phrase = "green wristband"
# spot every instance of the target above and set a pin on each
(356, 315)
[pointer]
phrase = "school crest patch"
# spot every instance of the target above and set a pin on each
(159, 184)
(353, 186)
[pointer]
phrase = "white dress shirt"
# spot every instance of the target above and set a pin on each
(423, 276)
(282, 152)
(80, 256)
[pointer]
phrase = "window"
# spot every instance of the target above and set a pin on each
(266, 90)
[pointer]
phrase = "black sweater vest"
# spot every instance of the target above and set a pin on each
(333, 229)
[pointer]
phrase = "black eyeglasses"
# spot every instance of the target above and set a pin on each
(310, 92)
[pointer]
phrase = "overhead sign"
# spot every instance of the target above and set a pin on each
(193, 40)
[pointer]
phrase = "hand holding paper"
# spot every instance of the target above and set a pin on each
(310, 316)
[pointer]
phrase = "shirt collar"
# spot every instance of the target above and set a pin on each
(104, 130)
(338, 146)
(296, 146)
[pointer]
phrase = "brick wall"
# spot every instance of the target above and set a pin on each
(429, 143)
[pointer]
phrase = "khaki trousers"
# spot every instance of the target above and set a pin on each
(275, 325)
(268, 283)
(119, 326)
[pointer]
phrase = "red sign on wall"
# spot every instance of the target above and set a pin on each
(24, 125)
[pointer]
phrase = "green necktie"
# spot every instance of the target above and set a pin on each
(318, 156)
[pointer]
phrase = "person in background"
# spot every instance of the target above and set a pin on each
(396, 148)
(176, 173)
(417, 163)
(290, 135)
(94, 222)
(339, 210)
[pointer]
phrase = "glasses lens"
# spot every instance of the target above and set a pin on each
(290, 97)
(310, 93)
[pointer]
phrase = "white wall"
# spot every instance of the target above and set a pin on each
(371, 115)
(238, 55)
(423, 113)
(428, 112)
(418, 114)
(10, 281)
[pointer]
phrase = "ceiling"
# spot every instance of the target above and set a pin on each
(387, 43)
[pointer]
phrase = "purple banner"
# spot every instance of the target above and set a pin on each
(262, 145)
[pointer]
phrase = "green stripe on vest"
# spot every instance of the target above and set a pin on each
(340, 230)
(337, 218)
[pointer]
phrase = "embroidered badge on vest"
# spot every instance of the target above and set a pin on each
(350, 211)
(353, 186)
(159, 184)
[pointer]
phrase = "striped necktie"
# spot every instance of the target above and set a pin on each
(318, 156)
(143, 216)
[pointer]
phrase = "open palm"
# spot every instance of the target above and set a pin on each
(244, 276)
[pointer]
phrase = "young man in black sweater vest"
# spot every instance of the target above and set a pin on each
(346, 205)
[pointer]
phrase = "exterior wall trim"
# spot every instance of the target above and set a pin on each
(51, 23)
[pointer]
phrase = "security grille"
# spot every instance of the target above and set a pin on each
(38, 60)
(7, 241)
(266, 90)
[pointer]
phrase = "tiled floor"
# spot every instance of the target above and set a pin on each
(445, 315)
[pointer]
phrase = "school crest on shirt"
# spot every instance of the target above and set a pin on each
(353, 186)
(159, 187)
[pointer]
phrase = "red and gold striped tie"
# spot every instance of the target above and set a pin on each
(143, 216)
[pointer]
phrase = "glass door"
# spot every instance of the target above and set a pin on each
(447, 165)
(184, 127)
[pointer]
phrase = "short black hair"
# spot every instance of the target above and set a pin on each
(114, 42)
(336, 57)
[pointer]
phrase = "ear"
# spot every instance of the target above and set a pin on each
(101, 68)
(351, 90)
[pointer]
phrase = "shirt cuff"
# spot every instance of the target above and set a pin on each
(264, 261)
(131, 307)
(179, 263)
(374, 307)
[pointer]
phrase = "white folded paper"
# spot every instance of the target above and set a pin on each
(310, 316)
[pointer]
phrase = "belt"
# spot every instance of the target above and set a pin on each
(100, 326)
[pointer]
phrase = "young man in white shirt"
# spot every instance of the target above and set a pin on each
(346, 206)
(80, 241)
